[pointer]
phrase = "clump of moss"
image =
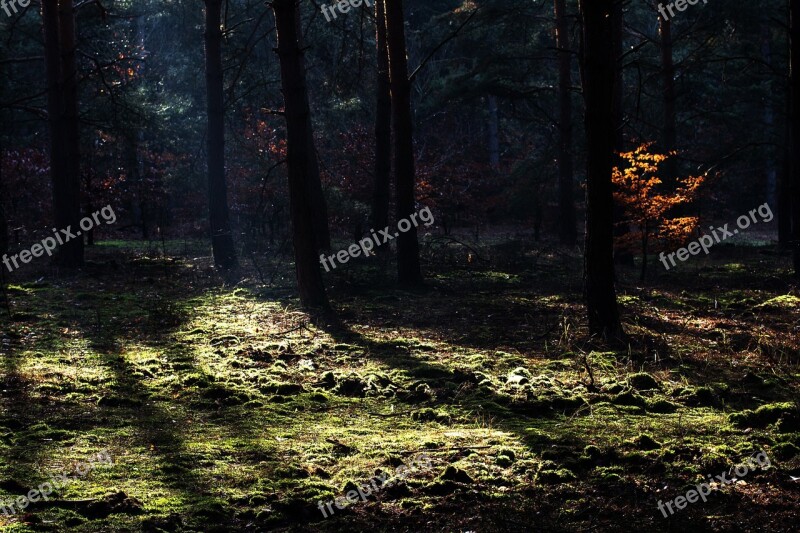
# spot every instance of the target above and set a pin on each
(765, 415)
(646, 442)
(561, 475)
(643, 381)
(660, 405)
(519, 376)
(785, 451)
(351, 386)
(628, 398)
(505, 457)
(430, 415)
(699, 397)
(451, 473)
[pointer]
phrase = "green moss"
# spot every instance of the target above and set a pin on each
(643, 381)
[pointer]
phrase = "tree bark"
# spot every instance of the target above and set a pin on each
(568, 232)
(785, 177)
(794, 6)
(494, 131)
(668, 98)
(622, 257)
(3, 222)
(62, 108)
(408, 266)
(219, 216)
(298, 128)
(383, 125)
(598, 66)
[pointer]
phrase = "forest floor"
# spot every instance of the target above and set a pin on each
(224, 408)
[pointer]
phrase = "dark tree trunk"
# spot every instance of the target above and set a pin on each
(668, 98)
(784, 205)
(568, 232)
(298, 129)
(794, 6)
(219, 217)
(319, 207)
(72, 252)
(3, 222)
(62, 109)
(622, 257)
(770, 170)
(408, 267)
(494, 132)
(784, 201)
(598, 66)
(383, 125)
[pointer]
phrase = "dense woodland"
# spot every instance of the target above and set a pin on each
(394, 265)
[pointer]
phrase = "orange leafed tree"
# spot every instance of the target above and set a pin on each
(647, 205)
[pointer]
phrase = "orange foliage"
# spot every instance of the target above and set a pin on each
(647, 206)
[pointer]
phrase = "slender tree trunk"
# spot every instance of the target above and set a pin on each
(645, 242)
(3, 222)
(494, 131)
(383, 125)
(298, 128)
(221, 236)
(598, 66)
(408, 267)
(770, 170)
(62, 109)
(623, 256)
(568, 232)
(72, 253)
(319, 207)
(794, 6)
(668, 98)
(784, 204)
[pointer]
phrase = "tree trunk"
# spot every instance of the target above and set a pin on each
(62, 109)
(383, 125)
(622, 257)
(298, 129)
(568, 233)
(668, 97)
(770, 170)
(3, 222)
(219, 217)
(494, 132)
(598, 66)
(794, 6)
(408, 267)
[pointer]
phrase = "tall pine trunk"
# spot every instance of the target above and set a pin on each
(598, 70)
(3, 222)
(219, 216)
(568, 233)
(408, 267)
(62, 109)
(383, 125)
(794, 6)
(298, 129)
(621, 229)
(669, 134)
(493, 125)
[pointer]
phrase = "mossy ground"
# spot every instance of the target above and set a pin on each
(225, 408)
